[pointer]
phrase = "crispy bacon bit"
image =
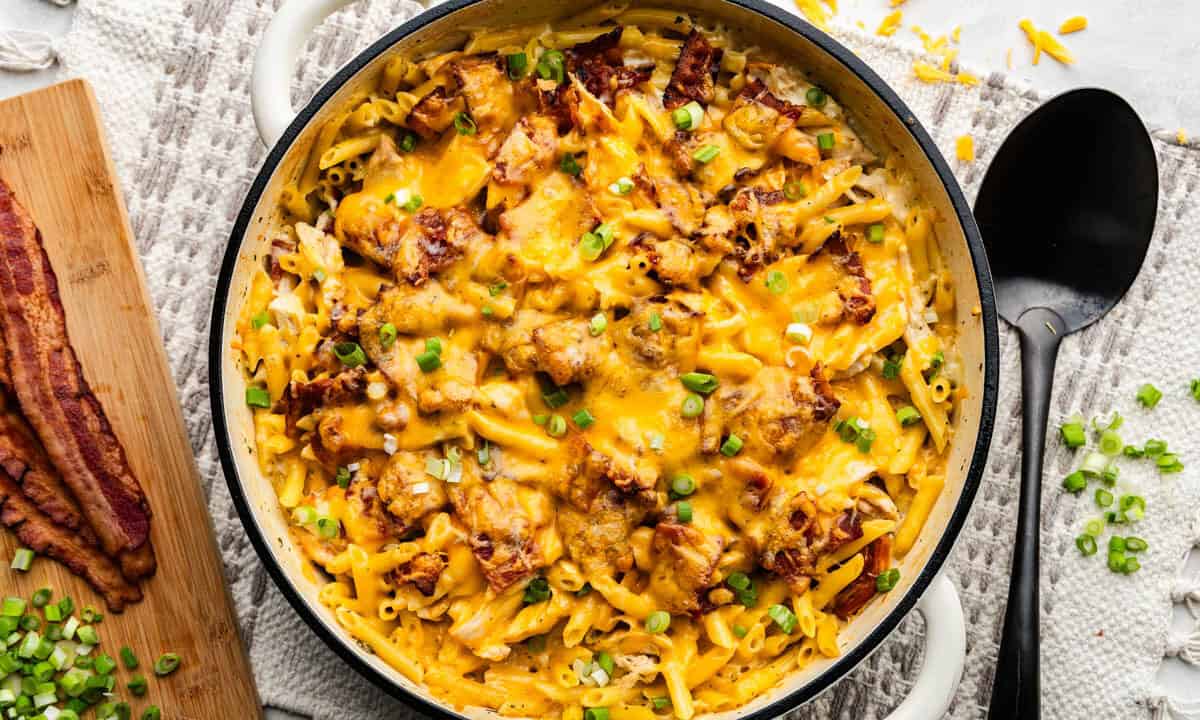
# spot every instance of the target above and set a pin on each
(561, 104)
(300, 399)
(35, 530)
(787, 549)
(422, 571)
(432, 242)
(858, 593)
(693, 75)
(825, 403)
(599, 65)
(279, 248)
(434, 113)
(847, 528)
(854, 289)
(57, 401)
(501, 533)
(756, 90)
(759, 231)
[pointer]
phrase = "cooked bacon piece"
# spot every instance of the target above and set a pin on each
(279, 248)
(676, 344)
(501, 533)
(787, 549)
(56, 399)
(434, 113)
(692, 78)
(422, 571)
(759, 231)
(403, 471)
(300, 399)
(24, 460)
(600, 66)
(488, 94)
(528, 150)
(855, 289)
(757, 91)
(37, 531)
(686, 561)
(857, 594)
(560, 103)
(779, 413)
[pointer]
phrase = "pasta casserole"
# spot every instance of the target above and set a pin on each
(602, 369)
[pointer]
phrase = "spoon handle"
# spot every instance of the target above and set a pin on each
(1015, 692)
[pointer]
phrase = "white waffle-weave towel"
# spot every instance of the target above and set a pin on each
(172, 77)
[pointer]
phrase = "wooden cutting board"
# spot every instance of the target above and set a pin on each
(54, 155)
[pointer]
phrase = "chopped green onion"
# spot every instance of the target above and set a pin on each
(591, 246)
(908, 415)
(91, 615)
(166, 664)
(554, 396)
(437, 467)
(605, 661)
(22, 560)
(1073, 434)
(597, 324)
(655, 323)
(408, 141)
(1094, 527)
(1154, 448)
(595, 713)
(387, 335)
(1148, 395)
(795, 191)
(41, 598)
(484, 453)
(1168, 463)
(1094, 464)
(350, 354)
(1116, 543)
(52, 614)
(541, 419)
(887, 580)
(258, 397)
(1135, 544)
(328, 528)
(260, 320)
(689, 116)
(30, 622)
(429, 361)
(1195, 389)
(1133, 451)
(104, 664)
(304, 515)
(1131, 566)
(662, 701)
(683, 485)
(658, 622)
(783, 617)
(1086, 544)
(434, 344)
(583, 419)
(866, 436)
(551, 66)
(517, 64)
(1104, 498)
(1116, 561)
(137, 685)
(128, 659)
(706, 154)
(1109, 476)
(342, 478)
(825, 141)
(570, 165)
(623, 186)
(732, 446)
(798, 333)
(413, 204)
(487, 311)
(1110, 442)
(1075, 482)
(777, 282)
(815, 96)
(875, 233)
(464, 124)
(891, 367)
(703, 383)
(556, 426)
(538, 590)
(683, 511)
(738, 580)
(693, 406)
(1133, 506)
(496, 289)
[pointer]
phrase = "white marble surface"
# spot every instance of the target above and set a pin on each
(1146, 50)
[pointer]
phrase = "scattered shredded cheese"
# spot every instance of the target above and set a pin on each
(1042, 40)
(956, 33)
(1181, 136)
(1008, 59)
(818, 12)
(890, 24)
(964, 148)
(1072, 24)
(898, 3)
(928, 73)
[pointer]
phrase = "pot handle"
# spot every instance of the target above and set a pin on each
(945, 653)
(271, 80)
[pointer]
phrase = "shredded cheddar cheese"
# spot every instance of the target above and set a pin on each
(1181, 136)
(818, 12)
(929, 73)
(964, 148)
(1044, 41)
(1073, 24)
(890, 24)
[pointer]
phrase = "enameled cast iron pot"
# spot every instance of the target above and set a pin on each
(883, 120)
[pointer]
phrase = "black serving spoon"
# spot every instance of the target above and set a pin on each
(1066, 211)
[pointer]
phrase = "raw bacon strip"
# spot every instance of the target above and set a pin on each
(56, 399)
(36, 530)
(22, 457)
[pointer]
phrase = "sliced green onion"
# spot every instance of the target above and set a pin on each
(703, 383)
(387, 335)
(908, 415)
(1116, 561)
(550, 66)
(128, 659)
(23, 557)
(683, 511)
(414, 203)
(1168, 463)
(583, 419)
(689, 116)
(1136, 544)
(1131, 566)
(1132, 451)
(732, 446)
(1086, 544)
(1109, 476)
(658, 622)
(1114, 423)
(591, 246)
(137, 685)
(1133, 506)
(693, 406)
(487, 311)
(605, 661)
(706, 154)
(258, 397)
(1104, 498)
(1195, 389)
(661, 702)
(891, 367)
(623, 186)
(1154, 448)
(683, 485)
(518, 65)
(1073, 434)
(866, 436)
(260, 320)
(1116, 543)
(798, 333)
(408, 141)
(342, 477)
(328, 528)
(655, 323)
(1148, 395)
(887, 580)
(1110, 442)
(464, 124)
(104, 664)
(541, 418)
(304, 515)
(166, 664)
(1075, 482)
(428, 361)
(875, 233)
(484, 453)
(555, 397)
(595, 713)
(1094, 527)
(1094, 464)
(497, 288)
(825, 141)
(41, 598)
(30, 622)
(815, 97)
(556, 426)
(777, 282)
(437, 467)
(597, 324)
(795, 191)
(783, 617)
(570, 165)
(350, 353)
(738, 580)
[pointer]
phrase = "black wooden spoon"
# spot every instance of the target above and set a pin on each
(1066, 211)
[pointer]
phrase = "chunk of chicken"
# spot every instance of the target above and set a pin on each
(501, 532)
(675, 343)
(397, 486)
(527, 151)
(779, 413)
(686, 560)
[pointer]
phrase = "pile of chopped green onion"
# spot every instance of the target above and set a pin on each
(51, 667)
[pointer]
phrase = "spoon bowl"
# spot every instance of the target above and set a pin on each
(1066, 211)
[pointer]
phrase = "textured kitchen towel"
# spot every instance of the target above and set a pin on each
(173, 79)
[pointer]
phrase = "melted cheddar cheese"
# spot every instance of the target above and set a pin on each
(601, 366)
